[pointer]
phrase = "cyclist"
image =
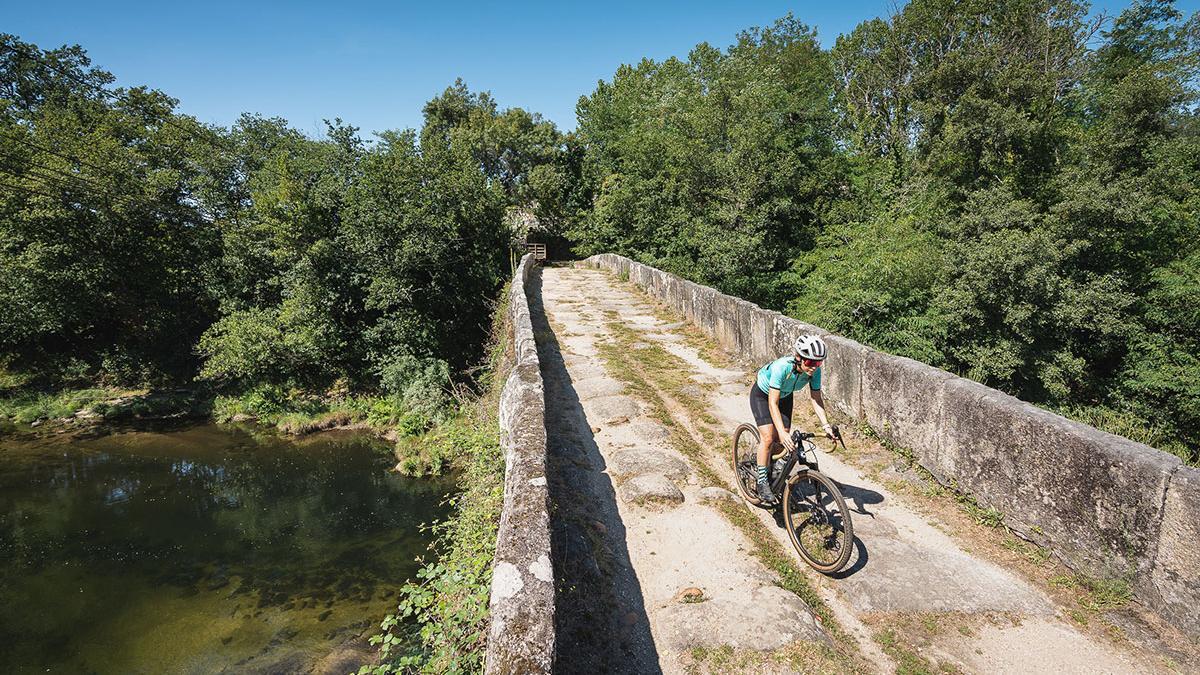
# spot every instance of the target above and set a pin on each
(771, 401)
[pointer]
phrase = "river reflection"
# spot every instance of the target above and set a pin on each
(203, 550)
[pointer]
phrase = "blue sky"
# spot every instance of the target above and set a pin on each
(375, 64)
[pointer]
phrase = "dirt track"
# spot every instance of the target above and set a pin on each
(637, 419)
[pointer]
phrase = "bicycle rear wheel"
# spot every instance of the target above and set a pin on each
(818, 521)
(745, 460)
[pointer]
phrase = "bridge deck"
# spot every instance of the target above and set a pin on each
(637, 521)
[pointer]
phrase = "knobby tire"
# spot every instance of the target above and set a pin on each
(839, 525)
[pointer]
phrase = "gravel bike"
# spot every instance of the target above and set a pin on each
(814, 510)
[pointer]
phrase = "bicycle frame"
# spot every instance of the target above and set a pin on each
(793, 459)
(797, 457)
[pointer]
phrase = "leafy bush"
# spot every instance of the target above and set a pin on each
(418, 384)
(441, 622)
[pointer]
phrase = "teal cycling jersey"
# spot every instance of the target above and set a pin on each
(781, 374)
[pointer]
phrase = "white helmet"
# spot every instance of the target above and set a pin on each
(810, 347)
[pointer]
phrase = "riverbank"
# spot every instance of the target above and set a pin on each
(451, 587)
(423, 445)
(85, 408)
(441, 622)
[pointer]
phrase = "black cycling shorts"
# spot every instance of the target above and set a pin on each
(760, 405)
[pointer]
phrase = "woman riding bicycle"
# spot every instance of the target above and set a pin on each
(771, 401)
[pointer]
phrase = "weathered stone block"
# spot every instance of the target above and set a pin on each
(621, 265)
(761, 618)
(643, 276)
(658, 285)
(744, 348)
(785, 332)
(651, 488)
(639, 460)
(1175, 578)
(979, 443)
(689, 301)
(673, 293)
(759, 345)
(1094, 497)
(704, 305)
(725, 321)
(902, 401)
(842, 375)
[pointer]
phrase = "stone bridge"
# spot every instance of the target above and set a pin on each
(991, 535)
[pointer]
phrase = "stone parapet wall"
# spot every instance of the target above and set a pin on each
(521, 635)
(1107, 506)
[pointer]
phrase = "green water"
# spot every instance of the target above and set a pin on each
(209, 549)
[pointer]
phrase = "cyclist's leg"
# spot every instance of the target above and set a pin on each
(766, 432)
(761, 408)
(785, 411)
(770, 436)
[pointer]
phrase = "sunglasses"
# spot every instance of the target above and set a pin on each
(810, 363)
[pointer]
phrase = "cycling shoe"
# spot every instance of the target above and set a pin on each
(765, 495)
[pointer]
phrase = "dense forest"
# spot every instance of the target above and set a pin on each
(1009, 191)
(139, 247)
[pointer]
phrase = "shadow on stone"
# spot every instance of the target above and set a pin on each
(858, 561)
(600, 622)
(860, 497)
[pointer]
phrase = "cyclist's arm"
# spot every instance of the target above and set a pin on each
(818, 404)
(777, 417)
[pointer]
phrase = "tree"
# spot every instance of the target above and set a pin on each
(102, 244)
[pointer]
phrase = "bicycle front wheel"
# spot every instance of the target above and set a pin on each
(745, 460)
(818, 521)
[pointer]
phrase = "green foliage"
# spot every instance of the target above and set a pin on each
(873, 280)
(25, 408)
(392, 413)
(104, 238)
(264, 403)
(365, 265)
(987, 517)
(140, 247)
(441, 622)
(1096, 594)
(714, 166)
(1008, 191)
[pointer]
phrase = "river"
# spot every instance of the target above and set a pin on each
(204, 549)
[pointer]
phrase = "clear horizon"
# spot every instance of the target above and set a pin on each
(375, 65)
